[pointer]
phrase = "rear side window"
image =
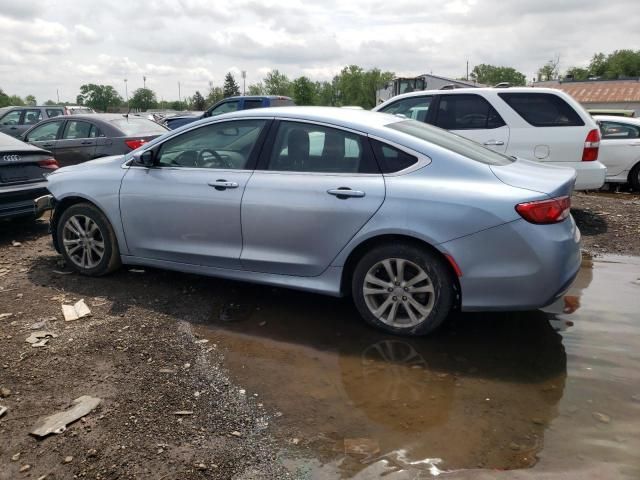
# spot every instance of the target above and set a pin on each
(54, 112)
(77, 129)
(467, 112)
(451, 141)
(390, 158)
(543, 109)
(249, 104)
(31, 117)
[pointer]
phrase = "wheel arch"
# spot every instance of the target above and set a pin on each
(392, 239)
(62, 205)
(634, 170)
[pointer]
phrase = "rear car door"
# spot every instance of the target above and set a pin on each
(619, 147)
(10, 123)
(46, 135)
(313, 190)
(187, 208)
(472, 116)
(77, 143)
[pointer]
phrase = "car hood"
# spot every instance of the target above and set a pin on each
(114, 159)
(549, 179)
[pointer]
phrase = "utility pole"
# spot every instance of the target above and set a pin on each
(244, 81)
(467, 70)
(144, 82)
(58, 95)
(179, 96)
(126, 92)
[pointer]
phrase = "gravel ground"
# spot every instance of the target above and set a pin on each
(137, 352)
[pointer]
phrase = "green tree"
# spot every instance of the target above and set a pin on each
(578, 73)
(143, 99)
(304, 91)
(327, 93)
(276, 83)
(176, 105)
(4, 99)
(598, 65)
(16, 100)
(215, 95)
(30, 100)
(375, 80)
(256, 89)
(623, 63)
(50, 102)
(199, 103)
(99, 97)
(492, 75)
(549, 71)
(230, 87)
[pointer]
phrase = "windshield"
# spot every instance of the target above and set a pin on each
(138, 126)
(451, 141)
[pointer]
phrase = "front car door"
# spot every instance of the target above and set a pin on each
(77, 143)
(619, 147)
(473, 117)
(312, 192)
(224, 107)
(416, 108)
(186, 209)
(46, 135)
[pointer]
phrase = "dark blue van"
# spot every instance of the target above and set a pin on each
(231, 104)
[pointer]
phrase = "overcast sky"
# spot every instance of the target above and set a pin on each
(48, 45)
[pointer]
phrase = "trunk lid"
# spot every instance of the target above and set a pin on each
(548, 179)
(19, 162)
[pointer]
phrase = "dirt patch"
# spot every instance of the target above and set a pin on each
(609, 222)
(137, 352)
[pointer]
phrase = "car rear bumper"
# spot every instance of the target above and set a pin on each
(19, 202)
(516, 266)
(590, 175)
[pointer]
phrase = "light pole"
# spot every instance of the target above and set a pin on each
(144, 82)
(126, 92)
(244, 81)
(179, 96)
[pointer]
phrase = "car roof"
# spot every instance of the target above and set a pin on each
(458, 91)
(345, 117)
(618, 119)
(256, 97)
(11, 144)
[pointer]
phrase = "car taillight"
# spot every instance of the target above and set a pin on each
(543, 212)
(133, 144)
(49, 163)
(591, 146)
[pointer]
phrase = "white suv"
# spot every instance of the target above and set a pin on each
(539, 124)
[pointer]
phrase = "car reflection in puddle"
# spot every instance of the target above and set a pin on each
(480, 393)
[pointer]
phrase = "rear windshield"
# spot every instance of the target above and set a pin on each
(543, 109)
(451, 141)
(282, 102)
(138, 126)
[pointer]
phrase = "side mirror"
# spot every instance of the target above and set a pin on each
(145, 159)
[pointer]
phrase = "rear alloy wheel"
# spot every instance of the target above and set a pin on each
(87, 240)
(403, 289)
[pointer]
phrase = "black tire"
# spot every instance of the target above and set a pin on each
(440, 279)
(634, 177)
(110, 259)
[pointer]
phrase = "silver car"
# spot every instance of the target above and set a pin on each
(408, 219)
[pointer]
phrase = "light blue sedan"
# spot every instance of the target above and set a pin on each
(408, 219)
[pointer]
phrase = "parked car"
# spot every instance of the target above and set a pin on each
(407, 218)
(22, 176)
(77, 109)
(230, 104)
(539, 124)
(15, 121)
(620, 149)
(78, 138)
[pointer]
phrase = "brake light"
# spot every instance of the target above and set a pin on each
(49, 163)
(134, 144)
(591, 146)
(543, 212)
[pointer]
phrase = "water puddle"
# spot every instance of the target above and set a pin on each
(490, 391)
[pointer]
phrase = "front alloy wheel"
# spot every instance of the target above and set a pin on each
(83, 241)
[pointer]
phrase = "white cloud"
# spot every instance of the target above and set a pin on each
(63, 44)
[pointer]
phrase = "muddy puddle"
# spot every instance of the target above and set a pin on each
(556, 389)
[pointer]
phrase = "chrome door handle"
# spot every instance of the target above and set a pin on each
(89, 142)
(344, 193)
(223, 184)
(493, 143)
(47, 144)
